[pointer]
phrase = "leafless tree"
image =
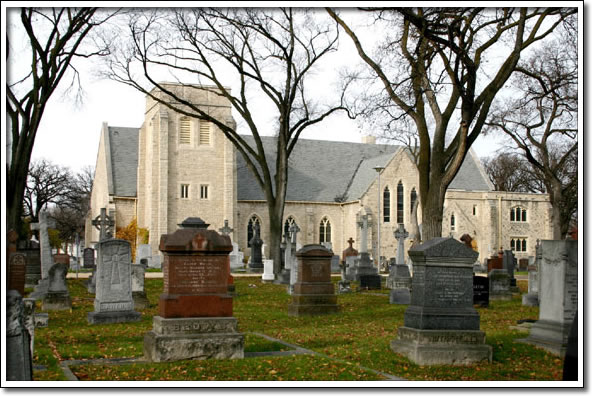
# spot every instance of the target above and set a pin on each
(436, 67)
(54, 37)
(270, 52)
(508, 172)
(46, 183)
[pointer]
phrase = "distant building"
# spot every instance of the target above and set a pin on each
(174, 167)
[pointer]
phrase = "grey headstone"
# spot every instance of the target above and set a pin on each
(57, 297)
(138, 291)
(499, 285)
(558, 295)
(441, 308)
(19, 365)
(113, 299)
(88, 258)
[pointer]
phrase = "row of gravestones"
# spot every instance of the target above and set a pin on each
(441, 325)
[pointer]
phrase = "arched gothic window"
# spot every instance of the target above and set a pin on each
(400, 202)
(325, 230)
(251, 229)
(518, 244)
(412, 200)
(518, 214)
(452, 223)
(386, 205)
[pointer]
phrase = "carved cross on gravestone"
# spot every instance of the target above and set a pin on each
(400, 235)
(351, 242)
(104, 224)
(226, 230)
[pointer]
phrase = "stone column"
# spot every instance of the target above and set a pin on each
(441, 325)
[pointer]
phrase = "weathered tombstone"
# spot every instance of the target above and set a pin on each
(195, 310)
(399, 281)
(441, 326)
(88, 257)
(113, 299)
(400, 235)
(16, 273)
(29, 322)
(19, 365)
(61, 258)
(236, 257)
(523, 264)
(558, 296)
(343, 286)
(496, 261)
(294, 230)
(509, 264)
(104, 224)
(363, 264)
(284, 275)
(531, 299)
(138, 292)
(499, 285)
(268, 275)
(256, 259)
(144, 251)
(33, 263)
(314, 293)
(335, 267)
(57, 297)
(481, 291)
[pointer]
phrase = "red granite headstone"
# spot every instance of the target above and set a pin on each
(196, 274)
(16, 273)
(61, 258)
(495, 262)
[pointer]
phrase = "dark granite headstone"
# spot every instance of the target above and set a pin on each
(89, 258)
(570, 363)
(314, 293)
(441, 326)
(256, 260)
(370, 282)
(499, 285)
(481, 291)
(33, 264)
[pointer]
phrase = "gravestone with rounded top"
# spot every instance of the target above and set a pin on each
(113, 298)
(558, 296)
(88, 258)
(195, 309)
(441, 326)
(314, 293)
(57, 297)
(256, 259)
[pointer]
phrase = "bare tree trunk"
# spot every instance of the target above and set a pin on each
(556, 223)
(414, 232)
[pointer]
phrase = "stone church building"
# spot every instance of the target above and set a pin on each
(174, 167)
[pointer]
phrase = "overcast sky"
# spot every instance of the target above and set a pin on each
(70, 131)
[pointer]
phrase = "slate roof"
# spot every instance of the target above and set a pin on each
(123, 143)
(321, 171)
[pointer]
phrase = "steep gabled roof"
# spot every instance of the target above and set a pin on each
(123, 145)
(327, 171)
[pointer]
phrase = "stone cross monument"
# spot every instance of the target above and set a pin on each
(226, 230)
(44, 246)
(363, 224)
(104, 224)
(400, 235)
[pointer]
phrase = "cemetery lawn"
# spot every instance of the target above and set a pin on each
(352, 345)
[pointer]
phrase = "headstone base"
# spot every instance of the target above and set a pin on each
(193, 338)
(507, 296)
(549, 335)
(530, 300)
(431, 347)
(312, 304)
(41, 319)
(56, 301)
(344, 287)
(370, 282)
(113, 317)
(283, 278)
(40, 290)
(140, 300)
(400, 296)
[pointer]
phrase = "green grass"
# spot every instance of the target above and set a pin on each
(356, 338)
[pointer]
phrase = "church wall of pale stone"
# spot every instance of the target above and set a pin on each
(100, 197)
